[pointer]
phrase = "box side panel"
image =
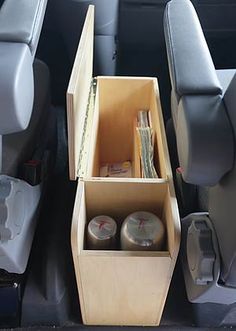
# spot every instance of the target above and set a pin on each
(156, 116)
(171, 206)
(171, 215)
(93, 146)
(119, 102)
(125, 290)
(77, 240)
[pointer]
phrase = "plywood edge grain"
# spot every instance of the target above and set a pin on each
(138, 78)
(173, 200)
(77, 234)
(71, 134)
(114, 254)
(155, 181)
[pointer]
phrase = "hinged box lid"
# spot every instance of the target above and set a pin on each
(80, 98)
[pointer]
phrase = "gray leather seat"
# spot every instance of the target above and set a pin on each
(203, 111)
(24, 95)
(196, 89)
(25, 83)
(18, 147)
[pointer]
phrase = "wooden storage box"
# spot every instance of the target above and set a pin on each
(117, 287)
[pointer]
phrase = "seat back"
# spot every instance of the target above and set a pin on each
(222, 204)
(205, 125)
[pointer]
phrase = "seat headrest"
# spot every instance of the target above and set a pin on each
(16, 87)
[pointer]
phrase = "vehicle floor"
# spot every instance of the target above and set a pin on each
(107, 328)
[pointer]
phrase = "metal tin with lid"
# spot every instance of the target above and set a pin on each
(142, 231)
(101, 233)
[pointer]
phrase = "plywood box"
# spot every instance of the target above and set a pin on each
(117, 287)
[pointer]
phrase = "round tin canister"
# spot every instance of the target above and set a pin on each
(101, 233)
(142, 231)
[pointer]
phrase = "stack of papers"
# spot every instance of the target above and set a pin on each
(145, 137)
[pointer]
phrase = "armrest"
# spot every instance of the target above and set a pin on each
(205, 139)
(21, 21)
(190, 64)
(16, 87)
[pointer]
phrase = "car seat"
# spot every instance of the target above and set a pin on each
(24, 95)
(203, 112)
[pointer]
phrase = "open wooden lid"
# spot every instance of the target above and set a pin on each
(78, 93)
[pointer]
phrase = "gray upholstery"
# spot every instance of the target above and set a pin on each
(191, 69)
(225, 77)
(204, 139)
(18, 147)
(21, 21)
(204, 102)
(24, 87)
(16, 87)
(204, 136)
(20, 27)
(222, 206)
(203, 198)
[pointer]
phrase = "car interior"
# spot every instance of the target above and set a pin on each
(74, 74)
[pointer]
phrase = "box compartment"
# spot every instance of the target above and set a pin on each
(118, 100)
(121, 287)
(119, 199)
